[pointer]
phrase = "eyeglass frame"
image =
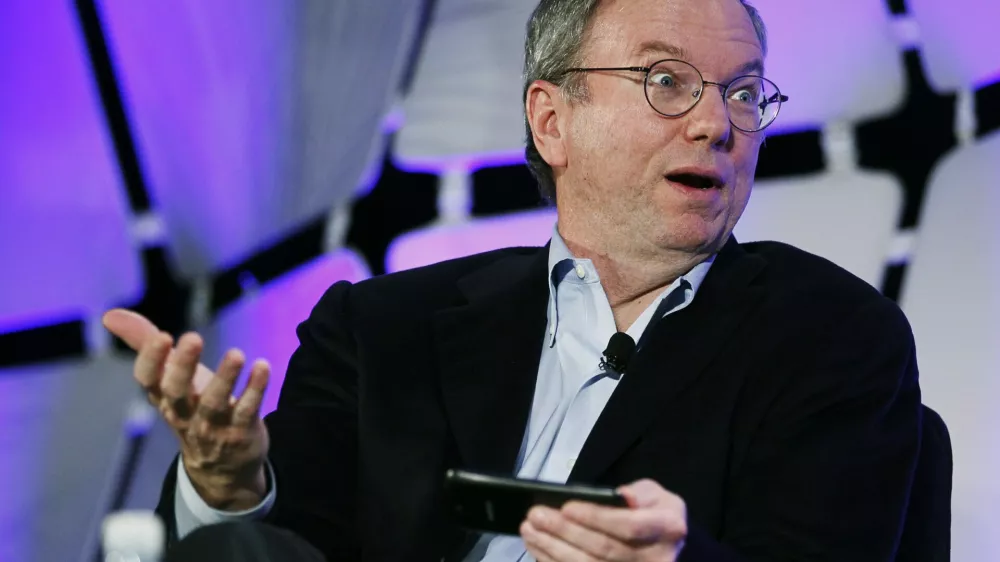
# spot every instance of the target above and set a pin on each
(778, 98)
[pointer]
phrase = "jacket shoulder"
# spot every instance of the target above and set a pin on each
(810, 285)
(796, 271)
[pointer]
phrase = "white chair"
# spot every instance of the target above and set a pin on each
(837, 61)
(958, 39)
(848, 217)
(465, 101)
(443, 242)
(60, 452)
(263, 324)
(254, 120)
(951, 295)
(64, 219)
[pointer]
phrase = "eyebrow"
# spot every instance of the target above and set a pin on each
(756, 65)
(656, 46)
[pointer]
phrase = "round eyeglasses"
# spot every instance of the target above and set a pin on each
(673, 87)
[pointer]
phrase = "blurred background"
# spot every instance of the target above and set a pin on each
(217, 164)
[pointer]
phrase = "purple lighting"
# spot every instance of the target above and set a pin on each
(439, 243)
(263, 324)
(959, 41)
(251, 119)
(470, 163)
(63, 219)
(22, 455)
(835, 60)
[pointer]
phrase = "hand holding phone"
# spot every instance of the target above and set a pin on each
(499, 504)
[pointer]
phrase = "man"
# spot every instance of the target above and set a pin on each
(771, 411)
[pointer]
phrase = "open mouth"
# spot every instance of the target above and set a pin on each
(696, 181)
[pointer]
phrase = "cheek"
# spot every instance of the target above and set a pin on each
(596, 159)
(746, 167)
(615, 139)
(745, 159)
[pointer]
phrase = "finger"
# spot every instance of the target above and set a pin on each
(214, 403)
(175, 386)
(134, 329)
(545, 547)
(630, 526)
(149, 364)
(247, 408)
(594, 543)
(533, 542)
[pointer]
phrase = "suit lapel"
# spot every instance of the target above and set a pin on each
(488, 351)
(677, 350)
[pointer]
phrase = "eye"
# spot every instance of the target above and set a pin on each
(744, 95)
(663, 79)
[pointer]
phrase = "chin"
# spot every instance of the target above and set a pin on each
(693, 236)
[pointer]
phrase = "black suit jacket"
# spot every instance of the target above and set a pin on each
(782, 405)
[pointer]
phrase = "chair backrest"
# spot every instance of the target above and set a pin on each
(927, 531)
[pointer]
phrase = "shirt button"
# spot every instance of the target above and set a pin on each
(580, 271)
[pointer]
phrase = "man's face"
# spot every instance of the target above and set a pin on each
(624, 160)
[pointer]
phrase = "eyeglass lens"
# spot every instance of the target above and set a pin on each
(674, 87)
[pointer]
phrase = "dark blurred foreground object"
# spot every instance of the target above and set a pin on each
(243, 542)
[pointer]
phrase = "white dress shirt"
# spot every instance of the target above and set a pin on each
(571, 389)
(570, 393)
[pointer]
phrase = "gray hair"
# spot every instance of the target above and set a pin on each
(554, 42)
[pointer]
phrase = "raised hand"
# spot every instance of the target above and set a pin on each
(223, 441)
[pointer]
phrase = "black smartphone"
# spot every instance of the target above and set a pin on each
(499, 504)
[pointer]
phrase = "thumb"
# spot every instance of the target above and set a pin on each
(133, 328)
(646, 494)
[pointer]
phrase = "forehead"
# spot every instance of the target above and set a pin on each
(715, 35)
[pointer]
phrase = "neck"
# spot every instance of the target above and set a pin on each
(632, 277)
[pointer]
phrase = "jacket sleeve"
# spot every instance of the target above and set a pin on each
(314, 432)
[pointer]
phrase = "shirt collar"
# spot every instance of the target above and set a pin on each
(561, 261)
(558, 251)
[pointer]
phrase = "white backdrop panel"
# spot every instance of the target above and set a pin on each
(958, 41)
(465, 101)
(848, 218)
(835, 60)
(255, 118)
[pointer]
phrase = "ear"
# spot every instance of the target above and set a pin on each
(543, 107)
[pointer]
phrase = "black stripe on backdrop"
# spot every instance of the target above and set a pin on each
(107, 83)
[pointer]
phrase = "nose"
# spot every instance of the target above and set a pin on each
(708, 121)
